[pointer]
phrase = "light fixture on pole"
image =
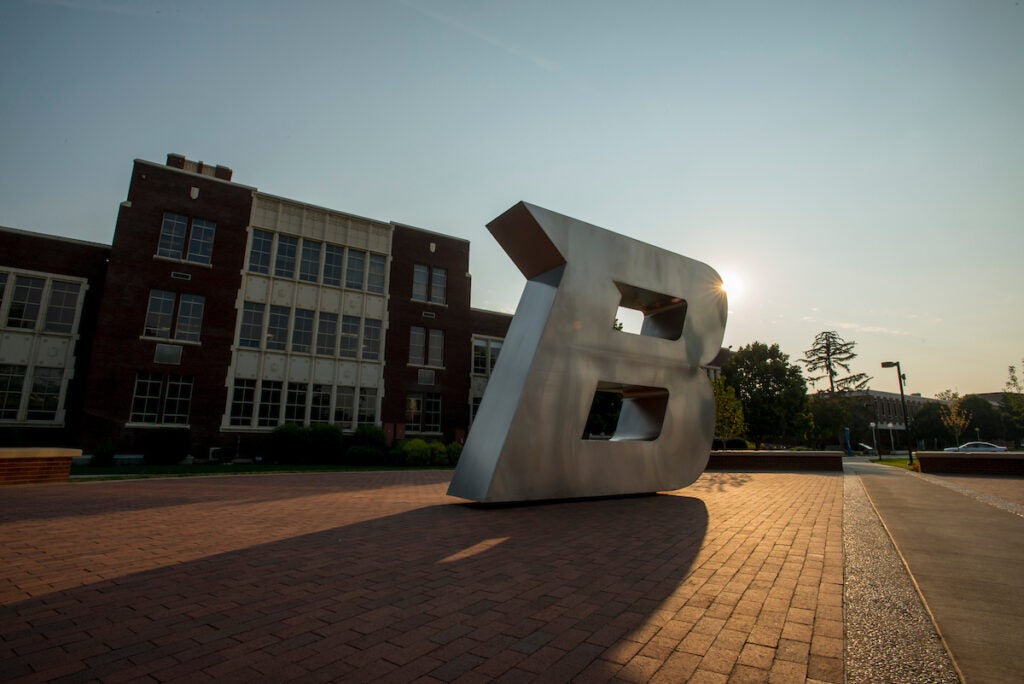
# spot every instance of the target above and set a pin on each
(874, 439)
(903, 402)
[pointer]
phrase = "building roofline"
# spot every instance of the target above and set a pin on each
(165, 167)
(428, 232)
(290, 200)
(50, 236)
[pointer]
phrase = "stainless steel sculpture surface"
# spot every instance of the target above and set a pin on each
(527, 440)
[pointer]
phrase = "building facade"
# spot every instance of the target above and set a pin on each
(221, 312)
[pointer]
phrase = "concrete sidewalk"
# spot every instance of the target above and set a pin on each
(381, 577)
(966, 556)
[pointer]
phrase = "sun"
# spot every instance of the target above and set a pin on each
(732, 285)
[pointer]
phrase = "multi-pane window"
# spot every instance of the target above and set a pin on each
(485, 355)
(423, 412)
(367, 406)
(3, 286)
(260, 250)
(334, 258)
(309, 265)
(174, 230)
(146, 398)
(270, 403)
(60, 311)
(320, 404)
(190, 318)
(277, 327)
(302, 332)
(356, 269)
(376, 275)
(426, 347)
(179, 399)
(12, 380)
(345, 406)
(25, 302)
(200, 242)
(327, 333)
(176, 394)
(349, 337)
(429, 284)
(284, 264)
(371, 339)
(45, 396)
(417, 345)
(295, 403)
(251, 330)
(243, 401)
(160, 316)
(435, 355)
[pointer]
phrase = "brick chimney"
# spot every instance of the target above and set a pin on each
(178, 161)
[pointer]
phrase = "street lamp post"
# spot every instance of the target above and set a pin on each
(874, 440)
(892, 443)
(903, 403)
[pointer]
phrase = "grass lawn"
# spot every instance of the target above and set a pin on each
(897, 461)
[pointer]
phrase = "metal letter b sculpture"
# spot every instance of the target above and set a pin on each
(527, 441)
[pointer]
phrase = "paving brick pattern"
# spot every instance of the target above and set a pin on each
(381, 577)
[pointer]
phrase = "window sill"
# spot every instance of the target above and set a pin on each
(424, 366)
(423, 301)
(184, 262)
(168, 340)
(157, 426)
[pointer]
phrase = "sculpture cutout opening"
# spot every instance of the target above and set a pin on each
(562, 351)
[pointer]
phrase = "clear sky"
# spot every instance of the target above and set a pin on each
(859, 166)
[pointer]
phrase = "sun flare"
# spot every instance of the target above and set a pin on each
(732, 285)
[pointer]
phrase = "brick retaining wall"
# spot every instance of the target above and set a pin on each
(34, 465)
(775, 460)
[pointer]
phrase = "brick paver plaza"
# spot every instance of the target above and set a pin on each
(381, 577)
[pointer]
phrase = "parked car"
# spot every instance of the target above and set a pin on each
(976, 446)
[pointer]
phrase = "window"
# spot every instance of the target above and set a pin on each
(435, 356)
(320, 405)
(12, 381)
(349, 337)
(375, 277)
(356, 268)
(333, 258)
(326, 333)
(243, 399)
(259, 251)
(345, 406)
(420, 279)
(302, 333)
(60, 311)
(423, 412)
(429, 283)
(252, 325)
(179, 399)
(42, 402)
(146, 399)
(172, 236)
(160, 315)
(295, 403)
(417, 345)
(426, 347)
(371, 339)
(200, 242)
(309, 266)
(284, 265)
(270, 403)
(368, 406)
(173, 231)
(3, 287)
(190, 318)
(485, 355)
(25, 302)
(277, 327)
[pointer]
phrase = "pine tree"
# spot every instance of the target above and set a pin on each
(829, 354)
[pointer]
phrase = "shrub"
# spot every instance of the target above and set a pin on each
(363, 455)
(454, 451)
(289, 444)
(166, 447)
(369, 436)
(103, 454)
(326, 444)
(417, 453)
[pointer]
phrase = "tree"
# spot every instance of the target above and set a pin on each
(1013, 400)
(772, 391)
(929, 425)
(832, 413)
(729, 421)
(954, 416)
(829, 354)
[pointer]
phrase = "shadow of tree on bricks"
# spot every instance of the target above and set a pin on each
(719, 482)
(442, 591)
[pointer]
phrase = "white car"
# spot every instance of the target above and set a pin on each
(976, 446)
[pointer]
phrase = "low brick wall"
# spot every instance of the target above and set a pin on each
(775, 460)
(979, 463)
(30, 465)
